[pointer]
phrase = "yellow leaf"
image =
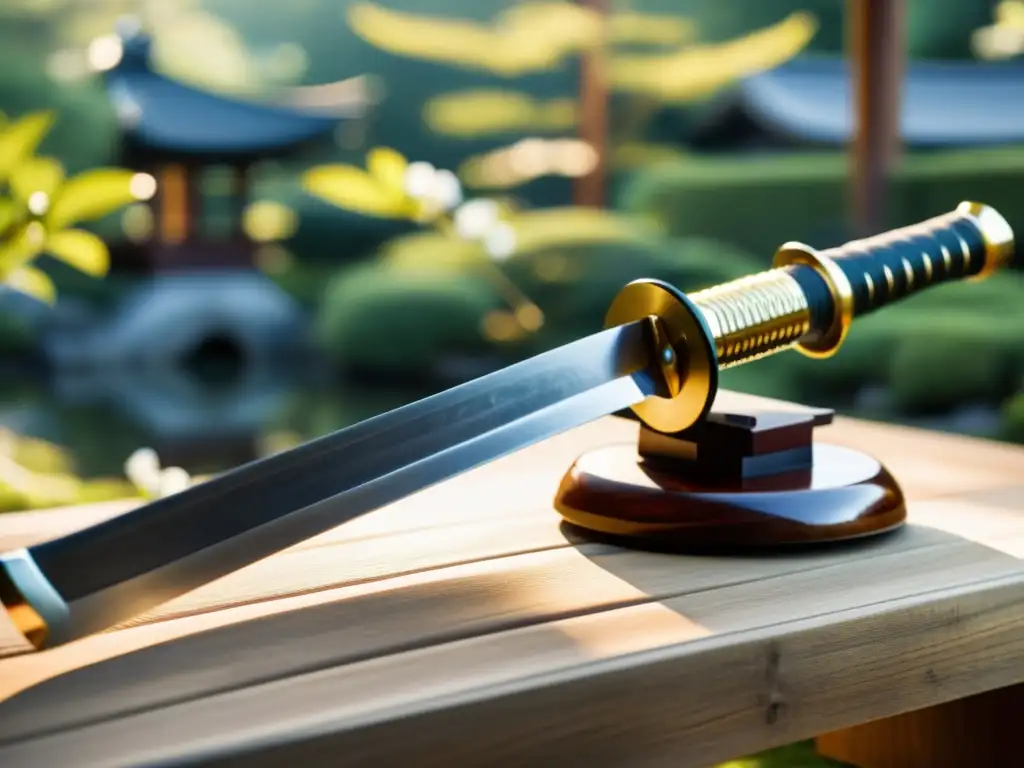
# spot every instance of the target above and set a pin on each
(355, 190)
(91, 195)
(20, 247)
(33, 282)
(387, 166)
(21, 138)
(265, 221)
(8, 215)
(699, 70)
(651, 29)
(433, 252)
(81, 250)
(528, 38)
(481, 112)
(37, 174)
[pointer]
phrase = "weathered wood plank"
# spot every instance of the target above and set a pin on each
(702, 676)
(459, 602)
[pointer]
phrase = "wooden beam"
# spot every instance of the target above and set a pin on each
(876, 39)
(590, 190)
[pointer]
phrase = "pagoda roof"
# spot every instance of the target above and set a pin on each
(164, 115)
(946, 104)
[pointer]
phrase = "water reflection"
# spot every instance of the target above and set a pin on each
(204, 418)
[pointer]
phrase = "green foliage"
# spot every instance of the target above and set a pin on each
(402, 322)
(587, 276)
(935, 371)
(38, 207)
(1013, 419)
(35, 474)
(428, 294)
(378, 191)
(758, 203)
(952, 345)
(16, 335)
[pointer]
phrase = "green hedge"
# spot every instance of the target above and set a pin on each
(373, 318)
(759, 202)
(1013, 419)
(400, 318)
(951, 345)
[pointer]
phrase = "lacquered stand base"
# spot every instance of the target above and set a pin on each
(615, 493)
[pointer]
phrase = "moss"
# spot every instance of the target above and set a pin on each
(760, 202)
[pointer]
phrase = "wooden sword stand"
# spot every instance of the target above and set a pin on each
(735, 480)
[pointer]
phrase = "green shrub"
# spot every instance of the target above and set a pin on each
(402, 322)
(1013, 419)
(16, 336)
(589, 277)
(431, 290)
(949, 345)
(760, 202)
(935, 372)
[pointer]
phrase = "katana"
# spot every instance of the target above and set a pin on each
(659, 354)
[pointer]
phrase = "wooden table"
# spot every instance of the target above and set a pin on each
(465, 626)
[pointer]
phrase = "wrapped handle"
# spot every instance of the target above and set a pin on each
(861, 276)
(809, 300)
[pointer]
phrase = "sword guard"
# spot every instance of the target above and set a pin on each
(736, 480)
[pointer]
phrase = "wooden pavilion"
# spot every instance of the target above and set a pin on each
(183, 137)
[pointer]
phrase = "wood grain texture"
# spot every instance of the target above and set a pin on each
(464, 625)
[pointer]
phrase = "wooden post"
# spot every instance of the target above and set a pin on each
(876, 33)
(589, 190)
(979, 730)
(174, 204)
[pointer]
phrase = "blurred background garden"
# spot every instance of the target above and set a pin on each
(227, 227)
(230, 226)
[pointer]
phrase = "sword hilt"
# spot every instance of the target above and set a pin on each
(807, 301)
(861, 276)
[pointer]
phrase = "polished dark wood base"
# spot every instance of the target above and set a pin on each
(616, 493)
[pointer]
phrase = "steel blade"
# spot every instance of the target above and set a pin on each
(108, 573)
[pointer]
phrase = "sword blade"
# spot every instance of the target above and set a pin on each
(106, 574)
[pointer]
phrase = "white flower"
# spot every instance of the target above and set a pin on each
(142, 468)
(447, 190)
(144, 472)
(500, 241)
(39, 203)
(174, 480)
(419, 180)
(473, 220)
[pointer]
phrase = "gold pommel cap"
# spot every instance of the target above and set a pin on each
(995, 231)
